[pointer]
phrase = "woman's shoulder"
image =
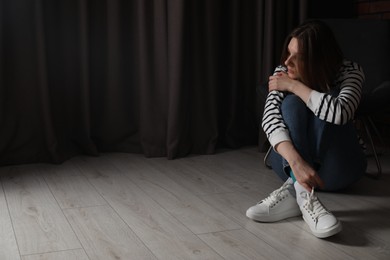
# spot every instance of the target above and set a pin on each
(349, 67)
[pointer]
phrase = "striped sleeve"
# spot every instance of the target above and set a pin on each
(340, 109)
(272, 123)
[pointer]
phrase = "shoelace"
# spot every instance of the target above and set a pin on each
(314, 205)
(275, 195)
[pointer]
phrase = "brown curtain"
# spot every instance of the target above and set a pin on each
(162, 78)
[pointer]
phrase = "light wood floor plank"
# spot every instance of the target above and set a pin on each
(105, 236)
(164, 235)
(196, 177)
(241, 244)
(248, 172)
(77, 254)
(193, 212)
(38, 221)
(8, 245)
(69, 187)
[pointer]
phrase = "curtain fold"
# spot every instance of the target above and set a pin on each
(163, 78)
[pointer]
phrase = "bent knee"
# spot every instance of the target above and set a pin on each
(293, 104)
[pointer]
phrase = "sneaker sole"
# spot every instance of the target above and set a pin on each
(275, 217)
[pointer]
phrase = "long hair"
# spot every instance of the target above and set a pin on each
(321, 56)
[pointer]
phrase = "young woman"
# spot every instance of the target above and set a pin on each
(308, 121)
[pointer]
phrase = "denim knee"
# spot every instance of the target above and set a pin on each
(300, 124)
(293, 106)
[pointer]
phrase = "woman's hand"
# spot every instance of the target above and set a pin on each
(303, 172)
(281, 82)
(306, 175)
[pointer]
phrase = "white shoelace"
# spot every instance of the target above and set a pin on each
(314, 205)
(275, 195)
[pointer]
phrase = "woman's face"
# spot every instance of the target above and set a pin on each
(292, 59)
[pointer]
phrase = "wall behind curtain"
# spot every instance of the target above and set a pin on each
(162, 78)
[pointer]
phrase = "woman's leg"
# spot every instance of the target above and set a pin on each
(332, 150)
(299, 121)
(342, 161)
(277, 163)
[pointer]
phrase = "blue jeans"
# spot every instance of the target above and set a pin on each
(332, 150)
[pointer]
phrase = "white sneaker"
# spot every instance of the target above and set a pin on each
(279, 205)
(322, 223)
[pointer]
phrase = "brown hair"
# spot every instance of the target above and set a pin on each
(321, 56)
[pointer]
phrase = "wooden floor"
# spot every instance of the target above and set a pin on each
(125, 206)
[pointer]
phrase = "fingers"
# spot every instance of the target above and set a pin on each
(309, 186)
(279, 81)
(308, 178)
(314, 182)
(273, 83)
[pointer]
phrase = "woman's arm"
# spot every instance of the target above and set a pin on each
(341, 109)
(336, 110)
(272, 122)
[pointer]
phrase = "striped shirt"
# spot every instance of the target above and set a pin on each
(338, 109)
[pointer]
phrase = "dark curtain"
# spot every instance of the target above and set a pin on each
(163, 78)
